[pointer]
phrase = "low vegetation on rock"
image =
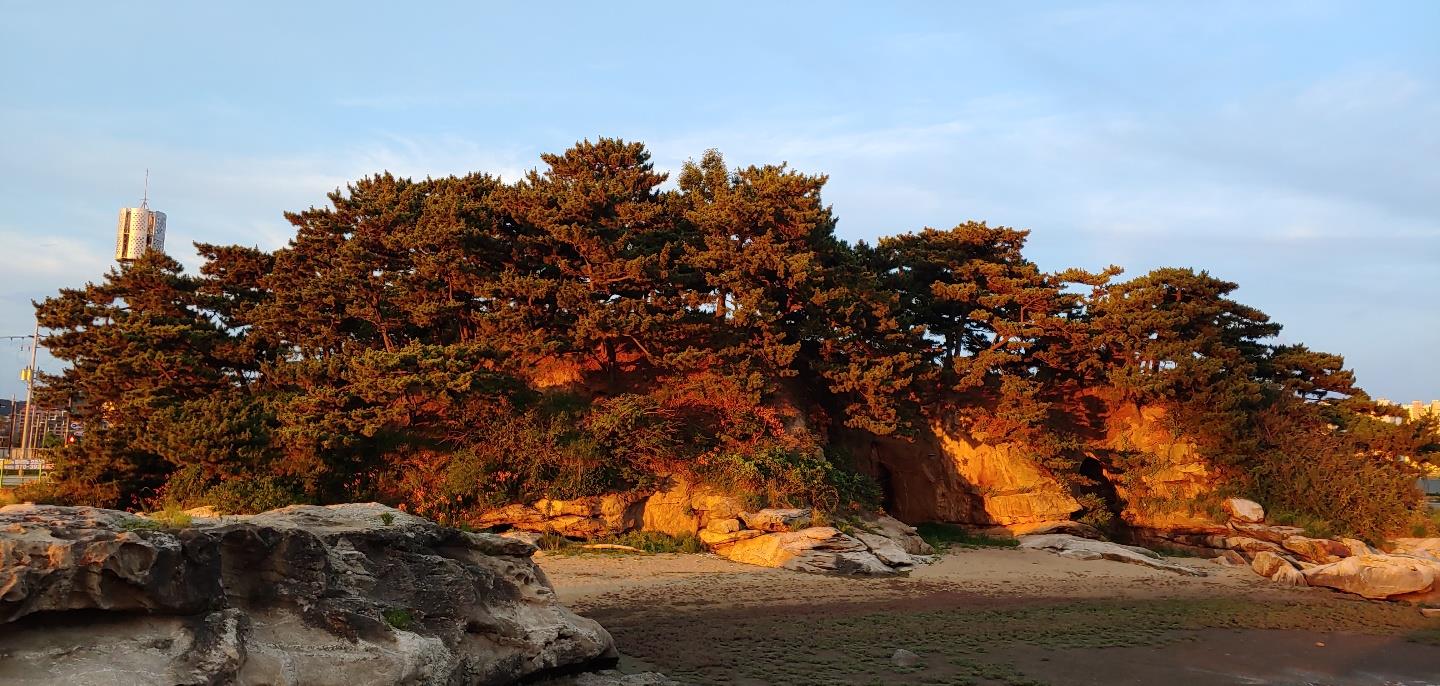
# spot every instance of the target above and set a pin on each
(454, 345)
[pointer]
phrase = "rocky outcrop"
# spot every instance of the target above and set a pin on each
(784, 538)
(1376, 576)
(346, 594)
(677, 508)
(1078, 548)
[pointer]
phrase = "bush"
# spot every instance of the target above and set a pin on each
(189, 487)
(1316, 479)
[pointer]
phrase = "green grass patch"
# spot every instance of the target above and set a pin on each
(399, 618)
(644, 541)
(945, 536)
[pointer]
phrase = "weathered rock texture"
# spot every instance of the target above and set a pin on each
(677, 508)
(346, 594)
(784, 538)
(1078, 548)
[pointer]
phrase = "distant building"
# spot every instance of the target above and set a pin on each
(1415, 411)
(140, 229)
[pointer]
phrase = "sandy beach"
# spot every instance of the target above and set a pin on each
(991, 616)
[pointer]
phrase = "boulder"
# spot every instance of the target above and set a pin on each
(1266, 564)
(1242, 510)
(887, 550)
(901, 533)
(724, 526)
(1419, 547)
(1374, 576)
(1229, 558)
(816, 549)
(776, 519)
(1277, 569)
(346, 594)
(1357, 546)
(1087, 549)
(1317, 550)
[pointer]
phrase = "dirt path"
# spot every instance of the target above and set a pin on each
(991, 616)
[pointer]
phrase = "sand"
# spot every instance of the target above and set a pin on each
(991, 616)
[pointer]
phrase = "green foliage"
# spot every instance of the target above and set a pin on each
(943, 536)
(387, 518)
(658, 542)
(1320, 480)
(399, 618)
(460, 343)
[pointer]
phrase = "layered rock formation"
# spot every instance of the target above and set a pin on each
(1410, 571)
(1078, 548)
(785, 539)
(677, 508)
(346, 594)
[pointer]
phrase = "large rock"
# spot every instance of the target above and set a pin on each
(1419, 547)
(1087, 549)
(816, 549)
(1277, 569)
(1317, 550)
(899, 532)
(777, 519)
(1374, 576)
(1242, 510)
(347, 594)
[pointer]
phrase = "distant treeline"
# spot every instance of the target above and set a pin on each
(458, 343)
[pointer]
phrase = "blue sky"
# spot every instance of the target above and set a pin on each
(1291, 147)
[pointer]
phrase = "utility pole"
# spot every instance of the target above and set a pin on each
(30, 391)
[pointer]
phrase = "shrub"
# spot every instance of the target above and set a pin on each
(658, 542)
(1316, 479)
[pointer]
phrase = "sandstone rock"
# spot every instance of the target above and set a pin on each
(886, 550)
(1318, 550)
(1249, 546)
(901, 533)
(1266, 564)
(723, 526)
(592, 517)
(816, 549)
(1431, 612)
(713, 539)
(1229, 558)
(530, 537)
(1356, 546)
(1419, 547)
(683, 508)
(1242, 510)
(904, 658)
(343, 595)
(1374, 576)
(1267, 532)
(1277, 569)
(775, 519)
(1086, 549)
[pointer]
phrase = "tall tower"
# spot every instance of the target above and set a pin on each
(140, 229)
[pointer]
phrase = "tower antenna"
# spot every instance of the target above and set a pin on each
(145, 199)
